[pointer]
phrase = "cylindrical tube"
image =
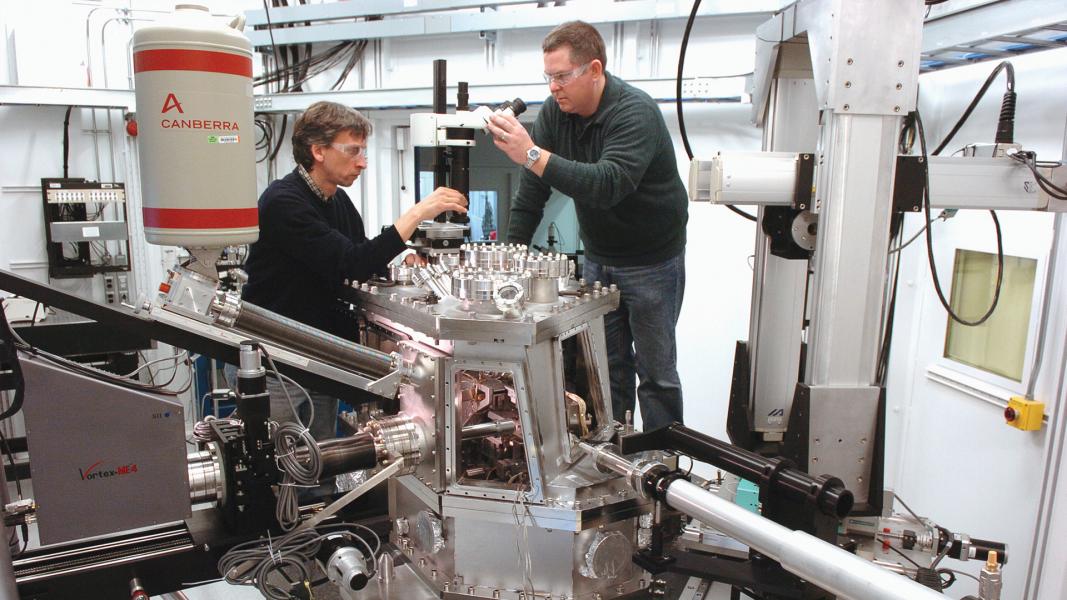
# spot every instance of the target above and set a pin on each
(459, 173)
(328, 348)
(820, 563)
(347, 454)
(440, 104)
(826, 493)
(253, 401)
(206, 482)
(426, 278)
(481, 430)
(607, 460)
(344, 563)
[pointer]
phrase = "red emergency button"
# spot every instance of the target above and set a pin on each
(164, 287)
(1010, 414)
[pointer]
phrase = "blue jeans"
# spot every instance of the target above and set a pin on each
(641, 338)
(325, 425)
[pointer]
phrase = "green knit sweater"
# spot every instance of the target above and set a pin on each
(619, 167)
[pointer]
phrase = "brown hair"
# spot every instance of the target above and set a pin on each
(320, 124)
(582, 38)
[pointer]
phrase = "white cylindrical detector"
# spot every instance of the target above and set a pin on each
(193, 80)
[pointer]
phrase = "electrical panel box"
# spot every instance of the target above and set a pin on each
(84, 222)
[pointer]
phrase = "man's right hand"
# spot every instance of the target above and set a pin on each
(441, 200)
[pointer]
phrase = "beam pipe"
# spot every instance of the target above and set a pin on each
(835, 570)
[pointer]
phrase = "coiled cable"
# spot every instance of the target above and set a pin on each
(300, 469)
(287, 557)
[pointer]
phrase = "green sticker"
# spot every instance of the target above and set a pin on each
(212, 139)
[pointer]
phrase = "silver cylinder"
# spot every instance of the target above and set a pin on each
(401, 274)
(481, 430)
(288, 332)
(206, 478)
(427, 278)
(544, 291)
(401, 436)
(251, 365)
(347, 569)
(824, 565)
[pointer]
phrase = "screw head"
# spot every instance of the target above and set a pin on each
(900, 63)
(848, 84)
(846, 107)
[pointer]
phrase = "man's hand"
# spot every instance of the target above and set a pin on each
(440, 200)
(511, 137)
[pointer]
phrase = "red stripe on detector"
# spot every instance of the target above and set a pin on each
(200, 218)
(192, 60)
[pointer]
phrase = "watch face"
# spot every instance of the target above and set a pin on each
(533, 153)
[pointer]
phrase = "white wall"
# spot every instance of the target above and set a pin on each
(950, 455)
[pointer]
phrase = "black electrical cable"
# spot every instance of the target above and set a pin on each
(270, 30)
(66, 142)
(1008, 100)
(1029, 159)
(8, 344)
(930, 243)
(678, 96)
(887, 335)
(281, 138)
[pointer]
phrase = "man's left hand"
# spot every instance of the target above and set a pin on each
(510, 137)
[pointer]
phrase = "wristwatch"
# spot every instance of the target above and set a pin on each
(532, 155)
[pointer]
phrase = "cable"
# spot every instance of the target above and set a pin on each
(285, 389)
(957, 572)
(678, 97)
(184, 354)
(1003, 66)
(66, 142)
(298, 472)
(288, 555)
(270, 30)
(930, 243)
(1029, 159)
(888, 544)
(83, 369)
(522, 542)
(944, 216)
(9, 336)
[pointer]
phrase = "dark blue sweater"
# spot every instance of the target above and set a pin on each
(306, 249)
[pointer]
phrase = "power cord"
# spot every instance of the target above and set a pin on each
(1004, 135)
(930, 243)
(1029, 159)
(1007, 105)
(678, 97)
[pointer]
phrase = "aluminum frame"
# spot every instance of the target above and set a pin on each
(472, 22)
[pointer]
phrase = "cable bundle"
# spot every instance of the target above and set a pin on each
(299, 470)
(286, 557)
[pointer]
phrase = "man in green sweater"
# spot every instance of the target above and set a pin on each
(604, 143)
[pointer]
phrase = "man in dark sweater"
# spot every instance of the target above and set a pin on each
(604, 143)
(311, 237)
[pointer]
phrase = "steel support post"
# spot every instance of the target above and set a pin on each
(779, 284)
(865, 62)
